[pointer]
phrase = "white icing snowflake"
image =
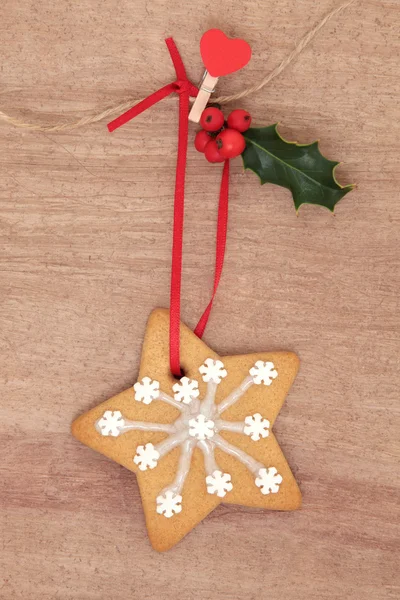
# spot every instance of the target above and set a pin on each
(111, 423)
(256, 427)
(146, 457)
(186, 390)
(213, 370)
(169, 504)
(219, 483)
(201, 428)
(198, 426)
(263, 372)
(146, 390)
(268, 480)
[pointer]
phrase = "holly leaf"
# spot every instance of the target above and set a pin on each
(301, 168)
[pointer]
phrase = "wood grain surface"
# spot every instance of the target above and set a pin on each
(85, 235)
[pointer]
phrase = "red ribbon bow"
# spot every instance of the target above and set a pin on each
(185, 89)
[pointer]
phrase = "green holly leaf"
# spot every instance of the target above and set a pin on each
(301, 168)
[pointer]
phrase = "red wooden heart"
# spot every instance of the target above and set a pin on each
(221, 55)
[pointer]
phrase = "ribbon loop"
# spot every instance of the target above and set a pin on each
(184, 88)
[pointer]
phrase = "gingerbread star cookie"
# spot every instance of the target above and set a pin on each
(199, 441)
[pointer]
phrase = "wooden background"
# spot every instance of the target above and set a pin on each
(85, 236)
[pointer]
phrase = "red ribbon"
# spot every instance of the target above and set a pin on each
(222, 226)
(185, 89)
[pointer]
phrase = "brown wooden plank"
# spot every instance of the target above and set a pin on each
(85, 233)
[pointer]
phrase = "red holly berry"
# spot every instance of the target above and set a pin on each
(211, 152)
(239, 119)
(211, 119)
(201, 140)
(230, 143)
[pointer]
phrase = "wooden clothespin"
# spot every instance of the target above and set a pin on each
(221, 56)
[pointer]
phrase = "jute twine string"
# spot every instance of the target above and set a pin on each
(105, 114)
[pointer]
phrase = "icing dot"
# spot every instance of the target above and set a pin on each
(201, 428)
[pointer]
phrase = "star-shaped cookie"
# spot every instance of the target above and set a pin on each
(201, 440)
